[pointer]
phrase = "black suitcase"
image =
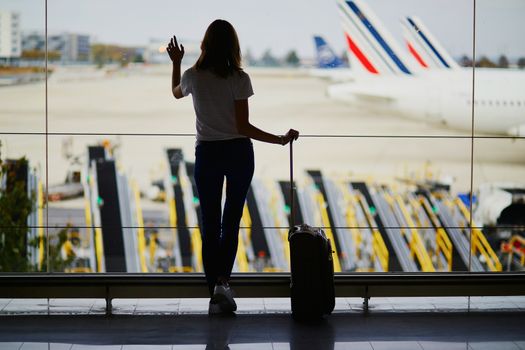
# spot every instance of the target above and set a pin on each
(311, 267)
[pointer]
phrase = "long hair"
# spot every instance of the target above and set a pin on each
(220, 51)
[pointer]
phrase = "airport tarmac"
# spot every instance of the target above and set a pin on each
(339, 139)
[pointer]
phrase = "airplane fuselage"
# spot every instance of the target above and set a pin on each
(445, 96)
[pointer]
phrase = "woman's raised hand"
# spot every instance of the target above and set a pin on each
(174, 51)
(291, 135)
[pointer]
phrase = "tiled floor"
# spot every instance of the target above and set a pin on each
(391, 323)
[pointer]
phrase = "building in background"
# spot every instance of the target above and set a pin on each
(65, 47)
(10, 37)
(73, 47)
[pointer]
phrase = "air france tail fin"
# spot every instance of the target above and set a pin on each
(369, 42)
(326, 57)
(425, 48)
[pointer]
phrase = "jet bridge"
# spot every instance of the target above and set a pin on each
(481, 251)
(435, 238)
(271, 238)
(459, 239)
(394, 230)
(334, 203)
(182, 249)
(394, 261)
(370, 252)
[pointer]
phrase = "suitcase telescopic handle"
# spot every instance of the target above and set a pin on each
(292, 207)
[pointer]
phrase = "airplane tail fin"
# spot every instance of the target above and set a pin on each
(326, 57)
(425, 48)
(369, 42)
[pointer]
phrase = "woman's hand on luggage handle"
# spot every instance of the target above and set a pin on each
(290, 135)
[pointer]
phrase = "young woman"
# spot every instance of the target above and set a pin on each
(220, 90)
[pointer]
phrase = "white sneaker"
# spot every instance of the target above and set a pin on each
(223, 295)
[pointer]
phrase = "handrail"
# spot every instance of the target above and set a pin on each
(351, 219)
(40, 230)
(328, 230)
(97, 241)
(99, 248)
(152, 248)
(443, 242)
(380, 249)
(247, 228)
(172, 212)
(247, 219)
(89, 227)
(444, 246)
(416, 244)
(140, 230)
(479, 242)
(196, 247)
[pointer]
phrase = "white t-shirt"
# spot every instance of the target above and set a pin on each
(213, 100)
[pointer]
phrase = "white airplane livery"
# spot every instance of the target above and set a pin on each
(390, 83)
(424, 47)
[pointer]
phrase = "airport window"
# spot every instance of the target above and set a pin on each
(390, 167)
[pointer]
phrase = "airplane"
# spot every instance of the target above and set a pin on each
(326, 57)
(388, 82)
(424, 46)
(329, 65)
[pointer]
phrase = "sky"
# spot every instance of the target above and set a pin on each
(279, 25)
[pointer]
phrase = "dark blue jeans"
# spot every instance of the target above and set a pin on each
(215, 161)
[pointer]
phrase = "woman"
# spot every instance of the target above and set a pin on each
(220, 90)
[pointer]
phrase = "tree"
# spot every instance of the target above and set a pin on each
(485, 62)
(15, 207)
(248, 58)
(521, 63)
(465, 61)
(268, 59)
(292, 59)
(503, 62)
(56, 240)
(39, 55)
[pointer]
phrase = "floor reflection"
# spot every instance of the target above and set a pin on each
(429, 330)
